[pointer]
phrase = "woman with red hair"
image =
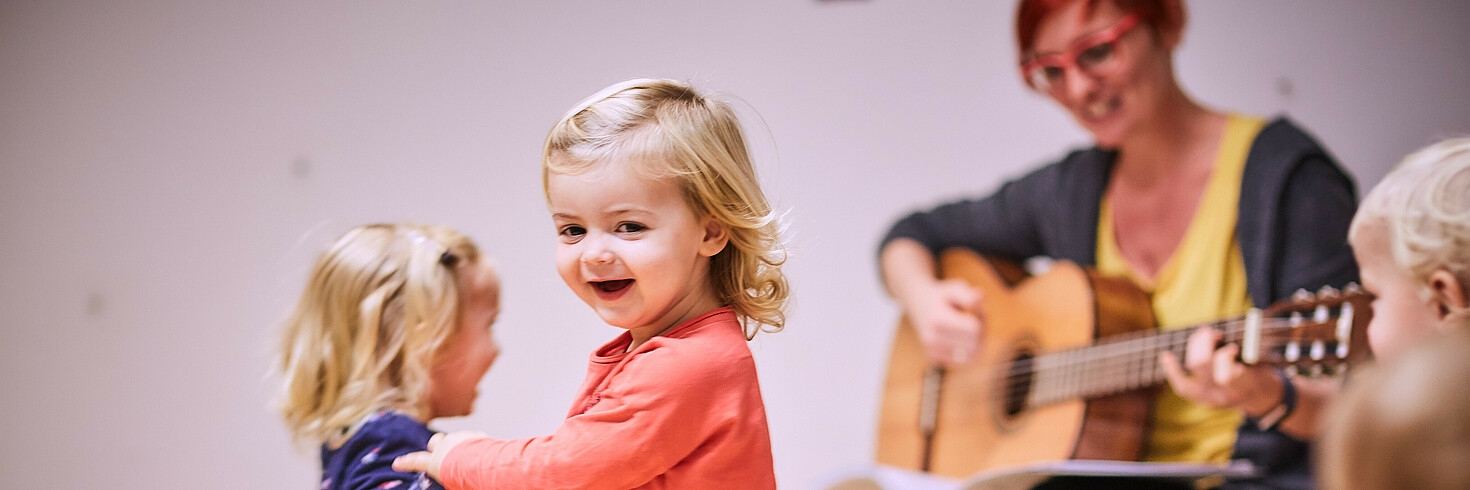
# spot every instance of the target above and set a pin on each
(1211, 212)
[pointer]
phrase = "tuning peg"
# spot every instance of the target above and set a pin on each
(1327, 292)
(1344, 330)
(1353, 287)
(1302, 295)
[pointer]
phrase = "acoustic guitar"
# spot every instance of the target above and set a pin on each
(1068, 367)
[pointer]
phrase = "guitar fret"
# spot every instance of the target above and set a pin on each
(1045, 380)
(1069, 375)
(1079, 375)
(1135, 371)
(1154, 344)
(1072, 374)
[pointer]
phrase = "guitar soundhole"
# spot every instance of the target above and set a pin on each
(1018, 384)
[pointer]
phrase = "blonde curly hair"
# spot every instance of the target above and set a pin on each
(678, 132)
(1423, 205)
(378, 304)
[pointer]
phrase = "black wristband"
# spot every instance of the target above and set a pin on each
(1273, 417)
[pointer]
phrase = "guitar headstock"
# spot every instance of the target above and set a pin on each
(1309, 334)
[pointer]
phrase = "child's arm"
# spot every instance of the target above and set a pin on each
(428, 462)
(657, 413)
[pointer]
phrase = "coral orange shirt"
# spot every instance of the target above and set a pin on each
(683, 410)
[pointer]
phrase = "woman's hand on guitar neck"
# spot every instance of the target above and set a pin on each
(1214, 377)
(948, 319)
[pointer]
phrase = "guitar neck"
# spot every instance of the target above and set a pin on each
(1117, 364)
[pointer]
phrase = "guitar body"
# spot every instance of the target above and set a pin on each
(974, 430)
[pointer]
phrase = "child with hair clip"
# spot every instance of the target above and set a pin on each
(391, 332)
(663, 230)
(1406, 424)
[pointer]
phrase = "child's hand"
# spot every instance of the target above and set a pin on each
(428, 462)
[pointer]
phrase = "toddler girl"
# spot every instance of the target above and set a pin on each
(663, 230)
(392, 331)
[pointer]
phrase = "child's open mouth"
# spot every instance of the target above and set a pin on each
(611, 289)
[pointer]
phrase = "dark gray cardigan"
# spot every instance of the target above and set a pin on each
(1295, 207)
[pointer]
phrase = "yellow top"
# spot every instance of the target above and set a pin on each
(1203, 280)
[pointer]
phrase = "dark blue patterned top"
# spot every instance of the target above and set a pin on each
(365, 461)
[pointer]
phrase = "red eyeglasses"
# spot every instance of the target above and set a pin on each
(1090, 54)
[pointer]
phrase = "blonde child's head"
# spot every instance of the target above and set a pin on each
(1404, 424)
(393, 316)
(666, 131)
(1411, 237)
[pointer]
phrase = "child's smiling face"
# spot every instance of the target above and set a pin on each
(632, 248)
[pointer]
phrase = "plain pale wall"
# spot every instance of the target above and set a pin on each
(170, 169)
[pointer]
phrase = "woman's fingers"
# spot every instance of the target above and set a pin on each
(1199, 350)
(1227, 372)
(1180, 380)
(948, 323)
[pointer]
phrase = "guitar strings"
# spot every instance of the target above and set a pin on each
(1124, 362)
(1113, 366)
(1055, 376)
(1080, 355)
(1110, 370)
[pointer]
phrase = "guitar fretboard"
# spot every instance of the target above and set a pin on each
(1121, 363)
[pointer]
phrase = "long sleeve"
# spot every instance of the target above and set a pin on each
(677, 413)
(1295, 208)
(1002, 224)
(1051, 211)
(1316, 210)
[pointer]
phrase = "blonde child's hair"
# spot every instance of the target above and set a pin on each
(672, 130)
(1405, 424)
(1424, 207)
(379, 303)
